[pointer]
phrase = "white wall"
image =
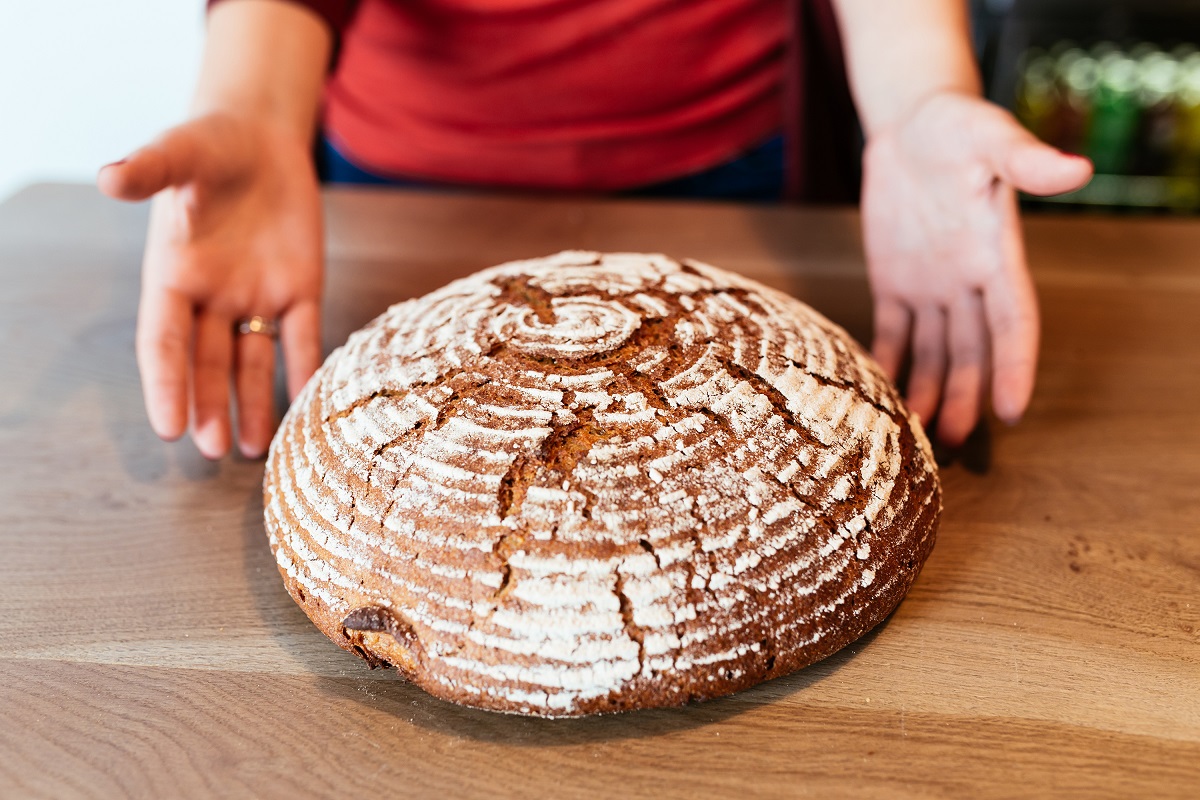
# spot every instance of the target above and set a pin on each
(82, 82)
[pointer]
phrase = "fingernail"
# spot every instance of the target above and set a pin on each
(209, 449)
(117, 163)
(211, 440)
(252, 451)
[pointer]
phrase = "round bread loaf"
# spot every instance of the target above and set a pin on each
(591, 483)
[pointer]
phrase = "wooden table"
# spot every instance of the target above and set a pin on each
(1050, 647)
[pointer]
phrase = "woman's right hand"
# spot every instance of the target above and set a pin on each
(235, 232)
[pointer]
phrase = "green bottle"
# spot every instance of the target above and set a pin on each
(1115, 113)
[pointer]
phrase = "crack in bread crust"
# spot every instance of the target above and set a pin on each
(590, 483)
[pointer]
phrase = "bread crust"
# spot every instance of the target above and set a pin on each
(598, 482)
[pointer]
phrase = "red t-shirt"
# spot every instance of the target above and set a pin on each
(562, 94)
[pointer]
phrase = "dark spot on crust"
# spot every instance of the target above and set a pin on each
(378, 619)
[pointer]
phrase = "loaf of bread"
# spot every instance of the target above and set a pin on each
(591, 483)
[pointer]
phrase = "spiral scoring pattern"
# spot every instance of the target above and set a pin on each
(593, 482)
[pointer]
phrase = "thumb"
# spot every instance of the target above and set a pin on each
(1026, 163)
(171, 160)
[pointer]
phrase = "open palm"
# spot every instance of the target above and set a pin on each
(945, 256)
(235, 232)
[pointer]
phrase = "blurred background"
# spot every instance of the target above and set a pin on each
(1116, 80)
(85, 82)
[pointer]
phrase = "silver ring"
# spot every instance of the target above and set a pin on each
(256, 324)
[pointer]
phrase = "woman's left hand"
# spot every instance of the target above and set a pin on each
(946, 259)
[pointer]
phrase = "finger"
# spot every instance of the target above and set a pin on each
(892, 324)
(254, 381)
(928, 362)
(967, 374)
(212, 358)
(1010, 305)
(164, 332)
(300, 333)
(171, 160)
(1022, 160)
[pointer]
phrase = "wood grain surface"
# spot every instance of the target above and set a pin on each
(1051, 647)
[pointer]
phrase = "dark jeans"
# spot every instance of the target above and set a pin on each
(756, 175)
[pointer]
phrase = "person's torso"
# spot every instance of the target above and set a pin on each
(576, 94)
